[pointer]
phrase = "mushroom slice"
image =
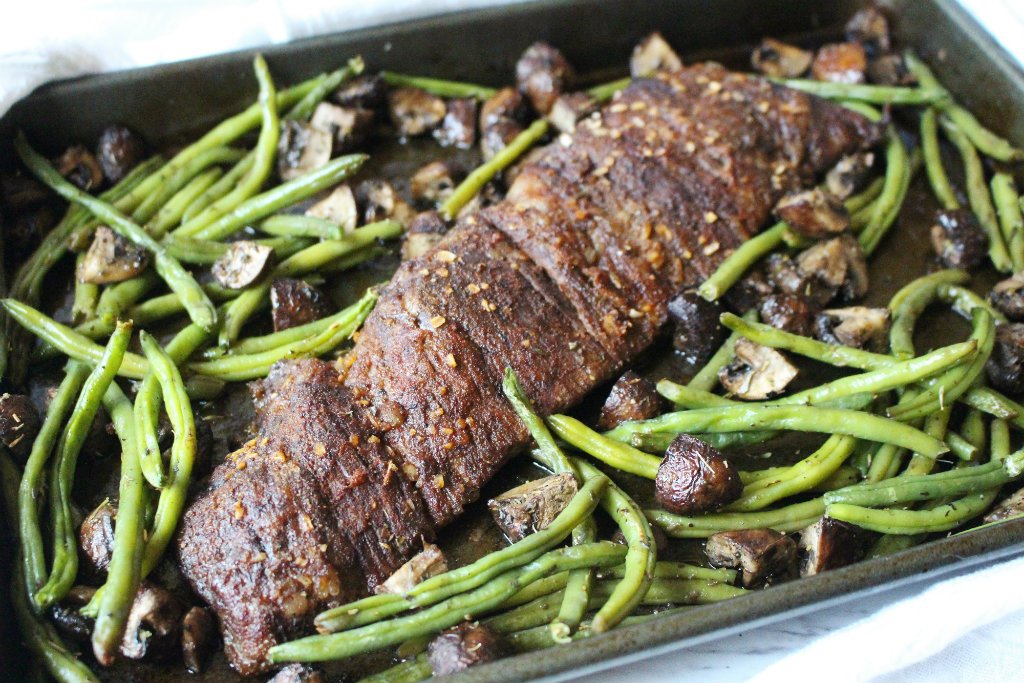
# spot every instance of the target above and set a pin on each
(339, 207)
(435, 182)
(813, 213)
(198, 637)
(295, 302)
(870, 28)
(788, 312)
(19, 424)
(850, 174)
(368, 91)
(80, 168)
(780, 60)
(543, 72)
(96, 538)
(694, 477)
(837, 266)
(1009, 508)
(569, 109)
(425, 231)
(154, 623)
(378, 200)
(530, 507)
(297, 673)
(428, 562)
(757, 372)
(1005, 367)
(840, 63)
(347, 126)
(856, 326)
(414, 111)
(958, 239)
(301, 149)
(1008, 296)
(633, 397)
(696, 328)
(651, 54)
(458, 127)
(111, 258)
(118, 151)
(830, 544)
(763, 555)
(244, 263)
(463, 646)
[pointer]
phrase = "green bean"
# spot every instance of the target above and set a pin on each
(866, 196)
(539, 588)
(470, 576)
(547, 452)
(1000, 440)
(687, 396)
(707, 378)
(411, 671)
(356, 258)
(886, 208)
(578, 587)
(220, 188)
(296, 225)
(65, 548)
(890, 545)
(147, 416)
(304, 108)
(890, 521)
(785, 519)
(961, 447)
(680, 570)
(874, 94)
(446, 613)
(193, 250)
(659, 443)
(739, 261)
(606, 91)
(1007, 204)
(178, 279)
(909, 303)
(964, 301)
(863, 108)
(973, 429)
(83, 307)
(173, 211)
(935, 425)
(117, 299)
(615, 453)
(30, 534)
(438, 87)
(469, 187)
(933, 161)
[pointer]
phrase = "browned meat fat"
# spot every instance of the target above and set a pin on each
(565, 281)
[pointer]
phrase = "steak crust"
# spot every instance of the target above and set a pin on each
(565, 281)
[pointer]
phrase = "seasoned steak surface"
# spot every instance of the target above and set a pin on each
(565, 281)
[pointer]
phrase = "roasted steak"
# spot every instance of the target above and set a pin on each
(566, 281)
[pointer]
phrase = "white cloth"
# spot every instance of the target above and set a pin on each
(968, 628)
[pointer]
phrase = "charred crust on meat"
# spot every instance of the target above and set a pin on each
(463, 646)
(632, 397)
(694, 477)
(764, 556)
(958, 239)
(532, 506)
(1005, 367)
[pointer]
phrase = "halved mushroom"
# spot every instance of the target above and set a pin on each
(339, 207)
(856, 326)
(569, 109)
(763, 555)
(348, 126)
(1011, 507)
(96, 538)
(302, 148)
(154, 623)
(1005, 367)
(1008, 296)
(870, 28)
(530, 507)
(781, 60)
(463, 646)
(850, 174)
(67, 615)
(368, 91)
(19, 424)
(378, 200)
(840, 63)
(633, 397)
(111, 258)
(748, 292)
(458, 128)
(696, 329)
(198, 638)
(119, 150)
(428, 562)
(788, 312)
(757, 372)
(435, 182)
(543, 72)
(890, 70)
(425, 231)
(958, 239)
(813, 213)
(296, 302)
(80, 168)
(414, 111)
(830, 544)
(651, 54)
(836, 266)
(244, 263)
(297, 673)
(694, 477)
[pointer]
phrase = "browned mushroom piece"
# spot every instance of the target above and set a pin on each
(296, 302)
(840, 63)
(890, 70)
(781, 60)
(501, 119)
(118, 151)
(498, 135)
(789, 312)
(833, 267)
(198, 638)
(377, 200)
(368, 91)
(19, 424)
(67, 616)
(530, 507)
(1008, 508)
(425, 231)
(763, 555)
(694, 477)
(543, 73)
(813, 213)
(958, 239)
(348, 126)
(111, 258)
(860, 327)
(830, 544)
(80, 168)
(569, 109)
(458, 127)
(339, 207)
(1005, 367)
(463, 646)
(154, 623)
(758, 372)
(850, 174)
(1008, 296)
(748, 292)
(244, 263)
(96, 539)
(302, 148)
(651, 54)
(696, 329)
(428, 562)
(297, 673)
(633, 397)
(414, 111)
(870, 28)
(435, 182)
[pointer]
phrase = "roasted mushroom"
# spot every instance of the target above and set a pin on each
(758, 372)
(833, 267)
(378, 200)
(501, 120)
(1008, 296)
(198, 638)
(813, 213)
(244, 263)
(958, 240)
(118, 151)
(302, 148)
(348, 126)
(830, 544)
(414, 112)
(297, 673)
(763, 555)
(651, 54)
(748, 292)
(67, 614)
(890, 70)
(458, 127)
(859, 327)
(569, 109)
(840, 63)
(850, 174)
(788, 312)
(339, 207)
(1011, 507)
(435, 182)
(111, 258)
(296, 302)
(781, 60)
(463, 646)
(542, 73)
(498, 136)
(154, 623)
(80, 168)
(633, 397)
(1005, 367)
(428, 562)
(96, 538)
(19, 424)
(368, 91)
(870, 29)
(530, 507)
(694, 477)
(425, 231)
(696, 329)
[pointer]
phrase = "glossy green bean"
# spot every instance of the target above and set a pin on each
(964, 301)
(297, 225)
(219, 188)
(437, 86)
(606, 91)
(118, 298)
(886, 207)
(907, 305)
(83, 306)
(937, 177)
(1006, 198)
(739, 262)
(613, 452)
(304, 108)
(706, 378)
(873, 94)
(173, 211)
(785, 519)
(687, 396)
(899, 522)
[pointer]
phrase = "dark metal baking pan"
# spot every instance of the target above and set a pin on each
(168, 103)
